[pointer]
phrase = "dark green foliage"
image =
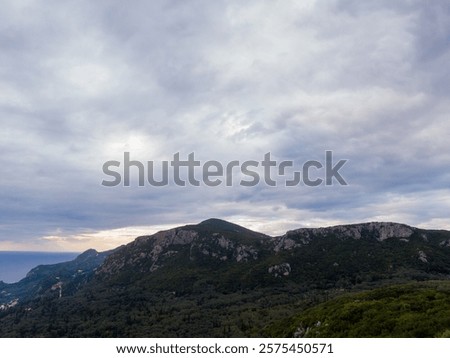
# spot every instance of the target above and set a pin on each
(411, 310)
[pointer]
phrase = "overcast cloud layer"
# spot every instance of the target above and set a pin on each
(81, 82)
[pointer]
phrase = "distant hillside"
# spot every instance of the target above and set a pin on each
(46, 279)
(218, 279)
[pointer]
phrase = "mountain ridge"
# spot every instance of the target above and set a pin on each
(216, 278)
(213, 230)
(43, 279)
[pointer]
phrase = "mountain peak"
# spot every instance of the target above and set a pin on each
(213, 221)
(214, 225)
(220, 224)
(87, 254)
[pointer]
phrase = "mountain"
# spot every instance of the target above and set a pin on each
(46, 279)
(211, 245)
(339, 256)
(219, 279)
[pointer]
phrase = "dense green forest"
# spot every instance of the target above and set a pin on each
(409, 310)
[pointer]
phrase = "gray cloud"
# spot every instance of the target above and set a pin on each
(82, 82)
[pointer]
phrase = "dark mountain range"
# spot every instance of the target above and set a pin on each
(218, 279)
(45, 279)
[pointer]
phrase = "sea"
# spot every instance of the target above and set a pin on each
(14, 265)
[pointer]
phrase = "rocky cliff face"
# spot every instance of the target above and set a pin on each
(212, 238)
(149, 249)
(379, 231)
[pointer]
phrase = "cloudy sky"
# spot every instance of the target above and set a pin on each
(82, 82)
